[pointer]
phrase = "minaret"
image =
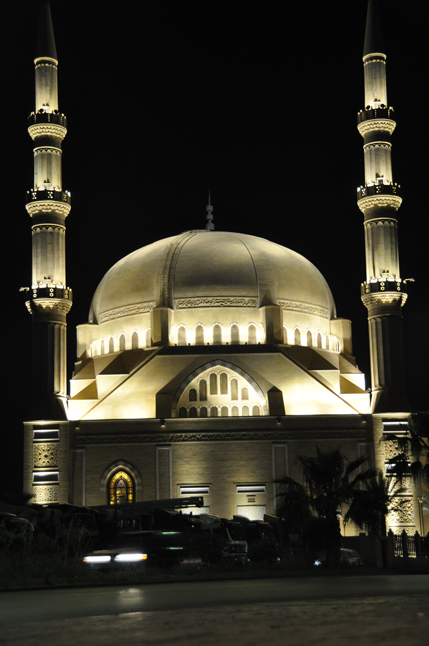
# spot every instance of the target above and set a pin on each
(383, 292)
(48, 206)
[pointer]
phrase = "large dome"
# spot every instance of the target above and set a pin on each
(206, 269)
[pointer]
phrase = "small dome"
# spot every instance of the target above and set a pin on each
(199, 267)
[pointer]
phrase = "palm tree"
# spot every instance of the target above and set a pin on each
(333, 487)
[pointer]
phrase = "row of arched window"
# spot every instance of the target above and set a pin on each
(219, 411)
(106, 346)
(235, 335)
(296, 337)
(217, 336)
(218, 385)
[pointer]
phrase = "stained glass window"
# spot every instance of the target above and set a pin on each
(121, 489)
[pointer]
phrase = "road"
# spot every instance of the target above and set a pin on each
(341, 610)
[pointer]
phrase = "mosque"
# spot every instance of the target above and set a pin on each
(209, 358)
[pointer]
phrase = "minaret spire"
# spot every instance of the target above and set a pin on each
(48, 206)
(209, 226)
(383, 292)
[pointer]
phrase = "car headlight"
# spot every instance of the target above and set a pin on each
(130, 558)
(97, 558)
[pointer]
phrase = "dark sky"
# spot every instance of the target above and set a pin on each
(254, 99)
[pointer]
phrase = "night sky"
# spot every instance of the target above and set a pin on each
(255, 100)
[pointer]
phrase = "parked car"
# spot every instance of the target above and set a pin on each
(352, 557)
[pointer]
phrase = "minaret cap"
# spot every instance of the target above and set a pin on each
(209, 226)
(374, 42)
(45, 47)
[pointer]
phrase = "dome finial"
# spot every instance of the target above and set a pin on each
(209, 209)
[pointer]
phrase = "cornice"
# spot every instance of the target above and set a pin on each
(259, 435)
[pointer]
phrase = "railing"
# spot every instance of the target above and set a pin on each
(405, 546)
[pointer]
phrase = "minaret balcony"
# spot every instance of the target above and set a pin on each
(382, 286)
(376, 120)
(48, 200)
(47, 124)
(48, 292)
(379, 195)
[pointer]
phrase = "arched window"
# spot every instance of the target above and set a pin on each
(235, 334)
(309, 339)
(192, 395)
(234, 411)
(203, 411)
(102, 348)
(111, 344)
(192, 412)
(234, 389)
(181, 335)
(224, 411)
(285, 335)
(182, 411)
(244, 393)
(319, 340)
(148, 338)
(251, 335)
(135, 341)
(223, 384)
(297, 336)
(122, 343)
(203, 390)
(245, 411)
(213, 383)
(121, 488)
(255, 411)
(217, 334)
(199, 335)
(213, 411)
(327, 342)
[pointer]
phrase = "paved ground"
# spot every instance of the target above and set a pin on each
(399, 619)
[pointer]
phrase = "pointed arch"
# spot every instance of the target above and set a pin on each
(235, 334)
(319, 340)
(297, 336)
(199, 334)
(129, 471)
(122, 342)
(135, 340)
(217, 334)
(252, 387)
(148, 337)
(213, 383)
(181, 335)
(203, 390)
(111, 345)
(285, 335)
(309, 339)
(252, 334)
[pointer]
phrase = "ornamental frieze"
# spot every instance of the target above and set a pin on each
(386, 125)
(391, 201)
(46, 493)
(405, 513)
(215, 301)
(59, 208)
(46, 454)
(128, 310)
(47, 130)
(304, 308)
(261, 435)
